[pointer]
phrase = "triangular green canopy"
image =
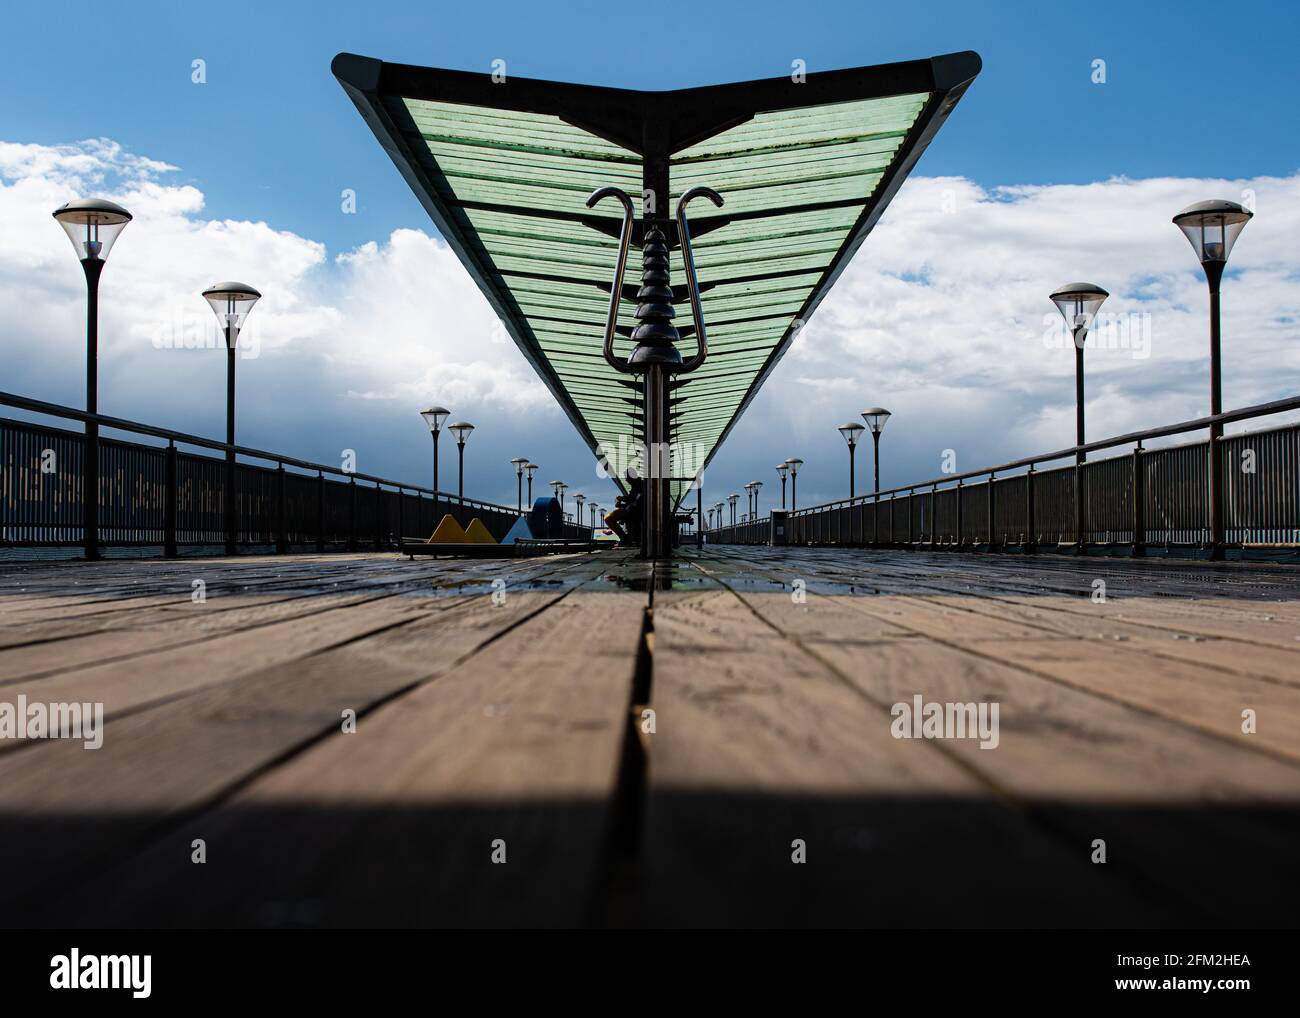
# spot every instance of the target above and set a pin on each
(806, 165)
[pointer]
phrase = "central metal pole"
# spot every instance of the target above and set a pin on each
(875, 459)
(435, 462)
(1079, 456)
(90, 467)
(460, 483)
(1218, 528)
(232, 525)
(852, 485)
(699, 513)
(519, 494)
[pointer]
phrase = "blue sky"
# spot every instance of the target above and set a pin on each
(272, 138)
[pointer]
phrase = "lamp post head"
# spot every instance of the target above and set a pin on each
(434, 416)
(876, 417)
(461, 430)
(781, 470)
(92, 224)
(851, 431)
(1079, 303)
(231, 302)
(530, 469)
(794, 465)
(756, 484)
(519, 462)
(1212, 227)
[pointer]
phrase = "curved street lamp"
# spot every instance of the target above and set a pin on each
(231, 302)
(851, 431)
(1212, 228)
(461, 429)
(1078, 304)
(92, 224)
(519, 463)
(782, 469)
(793, 466)
(434, 416)
(876, 417)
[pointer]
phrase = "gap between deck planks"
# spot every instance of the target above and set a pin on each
(229, 746)
(772, 724)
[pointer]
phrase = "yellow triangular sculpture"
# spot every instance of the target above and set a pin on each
(448, 532)
(477, 533)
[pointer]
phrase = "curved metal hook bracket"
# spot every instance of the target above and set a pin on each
(688, 265)
(616, 291)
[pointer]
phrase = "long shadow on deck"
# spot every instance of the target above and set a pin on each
(706, 860)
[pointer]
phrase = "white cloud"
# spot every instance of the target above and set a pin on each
(941, 317)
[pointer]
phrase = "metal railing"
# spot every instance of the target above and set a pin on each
(166, 496)
(1147, 500)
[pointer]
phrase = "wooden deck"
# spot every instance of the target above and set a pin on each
(519, 719)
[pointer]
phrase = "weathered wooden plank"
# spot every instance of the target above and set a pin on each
(759, 744)
(519, 739)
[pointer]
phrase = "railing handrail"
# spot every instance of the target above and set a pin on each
(1200, 423)
(135, 427)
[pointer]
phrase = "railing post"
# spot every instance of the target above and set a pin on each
(960, 500)
(992, 509)
(1031, 529)
(1218, 529)
(320, 511)
(1139, 504)
(281, 510)
(169, 505)
(1080, 511)
(352, 514)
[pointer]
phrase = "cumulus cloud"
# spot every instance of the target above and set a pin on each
(943, 317)
(359, 340)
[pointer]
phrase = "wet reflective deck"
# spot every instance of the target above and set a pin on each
(579, 740)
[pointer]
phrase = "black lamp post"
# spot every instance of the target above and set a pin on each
(876, 417)
(733, 499)
(793, 466)
(529, 471)
(231, 302)
(782, 469)
(851, 432)
(461, 430)
(758, 486)
(594, 511)
(92, 225)
(1078, 304)
(434, 417)
(519, 462)
(1212, 227)
(578, 499)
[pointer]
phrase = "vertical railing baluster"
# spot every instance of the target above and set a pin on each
(320, 510)
(170, 496)
(281, 510)
(992, 526)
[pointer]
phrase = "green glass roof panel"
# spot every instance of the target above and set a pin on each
(504, 170)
